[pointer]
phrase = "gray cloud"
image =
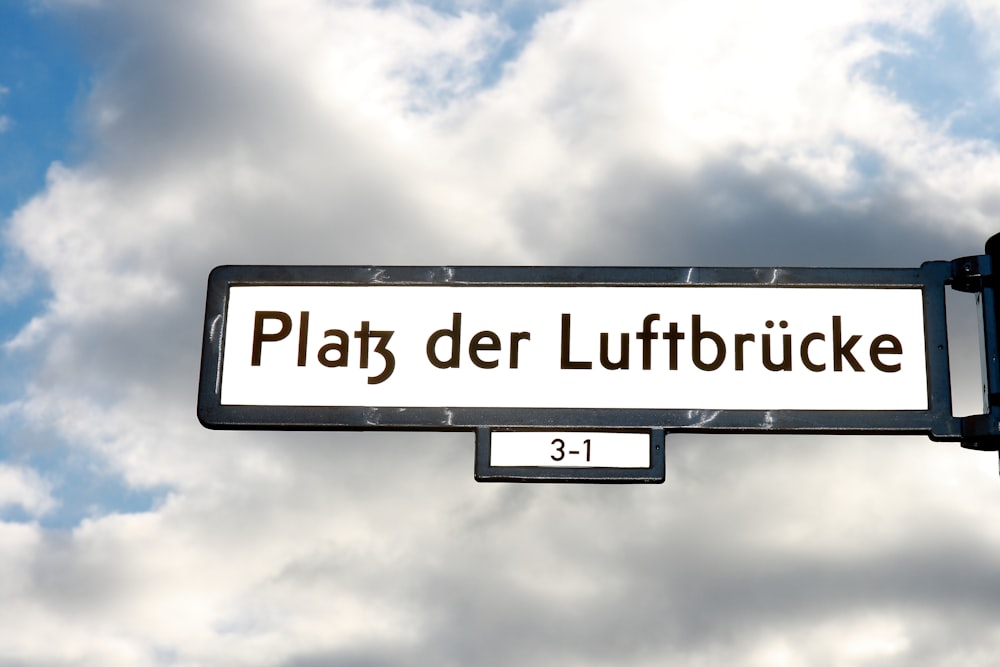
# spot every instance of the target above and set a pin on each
(723, 215)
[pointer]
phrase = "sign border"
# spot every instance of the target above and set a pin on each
(931, 278)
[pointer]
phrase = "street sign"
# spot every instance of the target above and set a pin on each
(637, 351)
(584, 346)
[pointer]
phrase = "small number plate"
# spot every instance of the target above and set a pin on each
(569, 456)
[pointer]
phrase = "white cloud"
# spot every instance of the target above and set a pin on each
(24, 488)
(343, 133)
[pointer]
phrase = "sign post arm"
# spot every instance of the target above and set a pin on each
(975, 274)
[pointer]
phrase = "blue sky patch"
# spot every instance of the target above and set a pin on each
(945, 75)
(43, 80)
(516, 18)
(80, 484)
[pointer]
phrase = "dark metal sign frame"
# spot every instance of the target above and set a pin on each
(932, 278)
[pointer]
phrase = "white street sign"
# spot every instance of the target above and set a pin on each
(674, 347)
(570, 449)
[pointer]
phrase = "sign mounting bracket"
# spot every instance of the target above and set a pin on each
(975, 275)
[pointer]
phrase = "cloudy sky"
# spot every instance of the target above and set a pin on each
(143, 143)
